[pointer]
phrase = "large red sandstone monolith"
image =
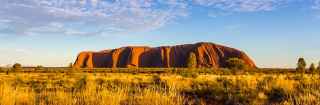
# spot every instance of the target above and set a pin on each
(208, 55)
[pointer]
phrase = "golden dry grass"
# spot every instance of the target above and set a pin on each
(162, 89)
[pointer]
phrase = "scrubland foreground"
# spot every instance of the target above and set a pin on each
(158, 89)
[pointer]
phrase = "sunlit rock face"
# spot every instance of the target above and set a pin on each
(207, 54)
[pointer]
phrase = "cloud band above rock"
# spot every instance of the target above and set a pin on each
(94, 17)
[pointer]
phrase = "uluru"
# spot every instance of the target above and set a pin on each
(209, 55)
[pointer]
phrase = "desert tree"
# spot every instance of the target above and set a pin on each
(1, 68)
(236, 63)
(301, 65)
(192, 60)
(39, 67)
(312, 68)
(17, 66)
(70, 65)
(318, 68)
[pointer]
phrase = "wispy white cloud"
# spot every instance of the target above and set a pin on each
(214, 14)
(316, 4)
(316, 8)
(75, 16)
(243, 5)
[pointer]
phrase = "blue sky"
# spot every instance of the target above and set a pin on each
(52, 32)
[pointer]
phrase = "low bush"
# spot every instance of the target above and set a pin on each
(80, 84)
(189, 74)
(277, 95)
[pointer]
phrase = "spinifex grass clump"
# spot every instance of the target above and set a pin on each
(80, 84)
(276, 95)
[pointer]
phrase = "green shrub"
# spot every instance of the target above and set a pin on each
(277, 95)
(223, 93)
(156, 79)
(80, 84)
(39, 67)
(17, 66)
(189, 74)
(206, 91)
(318, 68)
(70, 65)
(226, 71)
(301, 65)
(236, 64)
(207, 71)
(18, 81)
(312, 68)
(99, 82)
(192, 60)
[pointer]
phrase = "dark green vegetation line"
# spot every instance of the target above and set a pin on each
(149, 70)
